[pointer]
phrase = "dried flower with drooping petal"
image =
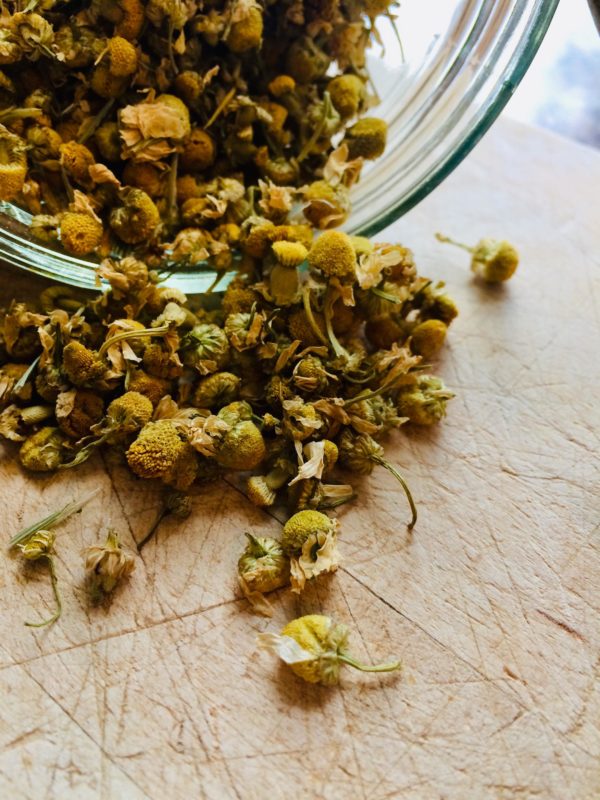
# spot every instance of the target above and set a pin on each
(107, 564)
(315, 647)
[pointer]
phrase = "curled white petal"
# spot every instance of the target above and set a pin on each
(285, 647)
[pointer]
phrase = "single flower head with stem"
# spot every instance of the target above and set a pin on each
(315, 647)
(493, 260)
(360, 453)
(40, 545)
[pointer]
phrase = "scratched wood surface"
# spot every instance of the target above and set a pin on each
(492, 603)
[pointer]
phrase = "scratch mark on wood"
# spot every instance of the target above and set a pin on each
(565, 626)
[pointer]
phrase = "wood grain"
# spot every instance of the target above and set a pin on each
(492, 603)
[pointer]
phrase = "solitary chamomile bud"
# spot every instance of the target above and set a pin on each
(314, 647)
(493, 260)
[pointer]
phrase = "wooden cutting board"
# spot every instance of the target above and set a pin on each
(492, 603)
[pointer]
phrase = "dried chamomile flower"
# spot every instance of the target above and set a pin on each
(205, 347)
(347, 93)
(206, 434)
(367, 138)
(40, 545)
(427, 338)
(290, 254)
(359, 453)
(77, 410)
(315, 647)
(122, 57)
(107, 564)
(261, 490)
(43, 451)
(424, 402)
(80, 233)
(81, 365)
(326, 206)
(161, 451)
(242, 447)
(262, 567)
(493, 260)
(13, 164)
(136, 218)
(246, 27)
(217, 390)
(310, 375)
(310, 539)
(333, 255)
(13, 418)
(300, 419)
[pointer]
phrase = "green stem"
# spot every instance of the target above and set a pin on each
(85, 452)
(165, 512)
(390, 667)
(52, 519)
(338, 349)
(402, 482)
(318, 130)
(221, 107)
(366, 395)
(385, 296)
(58, 611)
(22, 382)
(95, 122)
(138, 334)
(170, 46)
(447, 240)
(311, 319)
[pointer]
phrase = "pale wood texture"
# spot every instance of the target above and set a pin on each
(492, 603)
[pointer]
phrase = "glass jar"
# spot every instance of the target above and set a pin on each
(444, 71)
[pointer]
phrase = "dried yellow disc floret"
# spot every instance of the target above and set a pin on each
(80, 233)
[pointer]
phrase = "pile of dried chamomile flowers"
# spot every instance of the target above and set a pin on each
(160, 136)
(171, 129)
(296, 373)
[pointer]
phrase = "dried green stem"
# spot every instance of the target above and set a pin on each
(52, 519)
(311, 318)
(55, 591)
(389, 667)
(92, 126)
(402, 482)
(338, 348)
(163, 513)
(22, 382)
(221, 107)
(137, 334)
(447, 240)
(327, 108)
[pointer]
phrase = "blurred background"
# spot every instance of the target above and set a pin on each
(561, 90)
